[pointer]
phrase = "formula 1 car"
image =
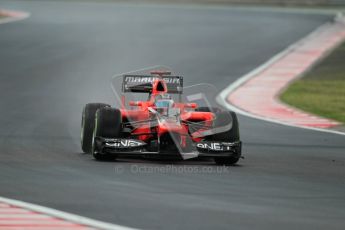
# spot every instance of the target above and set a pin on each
(159, 126)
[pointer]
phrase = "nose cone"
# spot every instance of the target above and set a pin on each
(171, 125)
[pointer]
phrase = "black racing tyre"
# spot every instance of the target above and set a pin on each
(87, 125)
(231, 135)
(226, 118)
(107, 125)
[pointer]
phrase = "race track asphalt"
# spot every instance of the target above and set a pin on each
(64, 55)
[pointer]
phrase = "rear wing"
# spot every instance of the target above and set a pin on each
(143, 83)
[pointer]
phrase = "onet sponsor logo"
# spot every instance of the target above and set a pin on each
(141, 79)
(123, 143)
(215, 146)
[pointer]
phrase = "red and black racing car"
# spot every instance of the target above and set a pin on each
(159, 126)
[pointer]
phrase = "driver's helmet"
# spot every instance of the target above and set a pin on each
(163, 104)
(164, 101)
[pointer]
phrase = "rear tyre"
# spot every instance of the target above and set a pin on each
(222, 119)
(88, 123)
(107, 125)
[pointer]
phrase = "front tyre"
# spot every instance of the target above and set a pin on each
(232, 135)
(88, 123)
(107, 125)
(223, 119)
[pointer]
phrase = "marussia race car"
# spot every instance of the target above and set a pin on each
(159, 126)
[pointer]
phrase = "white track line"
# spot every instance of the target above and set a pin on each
(64, 215)
(12, 16)
(222, 97)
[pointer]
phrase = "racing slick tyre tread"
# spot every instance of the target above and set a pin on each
(232, 135)
(88, 123)
(107, 125)
(224, 118)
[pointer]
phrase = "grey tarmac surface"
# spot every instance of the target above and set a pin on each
(64, 55)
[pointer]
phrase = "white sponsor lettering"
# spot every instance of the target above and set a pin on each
(124, 143)
(216, 146)
(141, 79)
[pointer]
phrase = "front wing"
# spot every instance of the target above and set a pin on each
(134, 147)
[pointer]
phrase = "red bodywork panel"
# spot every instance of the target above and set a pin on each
(142, 112)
